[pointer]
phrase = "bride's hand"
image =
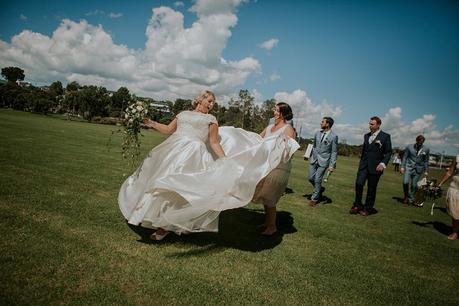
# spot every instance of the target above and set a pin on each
(148, 123)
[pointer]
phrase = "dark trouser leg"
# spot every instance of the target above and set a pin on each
(373, 180)
(406, 190)
(359, 183)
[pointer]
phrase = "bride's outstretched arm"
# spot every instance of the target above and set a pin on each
(213, 140)
(162, 128)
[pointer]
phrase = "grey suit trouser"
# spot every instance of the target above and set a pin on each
(316, 174)
(413, 176)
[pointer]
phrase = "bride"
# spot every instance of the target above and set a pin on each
(186, 181)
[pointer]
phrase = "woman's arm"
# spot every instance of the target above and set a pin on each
(213, 140)
(448, 173)
(162, 128)
(290, 132)
(262, 134)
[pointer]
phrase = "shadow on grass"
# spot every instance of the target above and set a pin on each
(237, 230)
(323, 199)
(439, 226)
(398, 199)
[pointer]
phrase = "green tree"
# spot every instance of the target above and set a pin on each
(56, 88)
(94, 101)
(120, 99)
(12, 74)
(180, 105)
(247, 108)
(73, 86)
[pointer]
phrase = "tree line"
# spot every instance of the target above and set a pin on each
(99, 105)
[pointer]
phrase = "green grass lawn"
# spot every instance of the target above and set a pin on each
(64, 240)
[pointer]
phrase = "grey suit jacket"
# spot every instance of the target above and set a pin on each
(326, 152)
(418, 162)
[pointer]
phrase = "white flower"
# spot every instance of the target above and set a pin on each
(134, 111)
(139, 108)
(126, 116)
(131, 120)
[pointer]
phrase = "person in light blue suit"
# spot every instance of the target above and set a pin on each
(415, 162)
(323, 157)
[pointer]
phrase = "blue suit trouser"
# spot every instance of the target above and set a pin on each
(316, 174)
(413, 176)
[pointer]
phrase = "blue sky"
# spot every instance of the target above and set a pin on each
(350, 59)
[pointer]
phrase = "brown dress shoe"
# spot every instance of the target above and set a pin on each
(355, 210)
(312, 203)
(364, 213)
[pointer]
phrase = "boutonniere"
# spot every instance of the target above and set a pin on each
(423, 153)
(378, 142)
(326, 142)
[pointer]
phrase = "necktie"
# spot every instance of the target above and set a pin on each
(372, 138)
(323, 136)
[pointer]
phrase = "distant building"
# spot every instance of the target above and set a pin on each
(23, 83)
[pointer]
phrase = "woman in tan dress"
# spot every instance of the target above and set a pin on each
(452, 196)
(270, 189)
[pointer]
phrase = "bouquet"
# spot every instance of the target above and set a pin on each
(431, 190)
(135, 113)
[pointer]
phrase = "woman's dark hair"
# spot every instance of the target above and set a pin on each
(285, 110)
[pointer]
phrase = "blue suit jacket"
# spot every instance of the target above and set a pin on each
(416, 162)
(379, 151)
(326, 152)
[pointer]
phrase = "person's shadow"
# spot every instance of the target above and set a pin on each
(439, 226)
(398, 199)
(237, 229)
(323, 199)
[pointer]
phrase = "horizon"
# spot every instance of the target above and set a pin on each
(321, 58)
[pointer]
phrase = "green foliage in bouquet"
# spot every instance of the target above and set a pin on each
(431, 190)
(135, 113)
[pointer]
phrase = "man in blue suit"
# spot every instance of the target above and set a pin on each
(415, 162)
(376, 152)
(323, 157)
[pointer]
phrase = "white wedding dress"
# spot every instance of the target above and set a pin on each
(180, 187)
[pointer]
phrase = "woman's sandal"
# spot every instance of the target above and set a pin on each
(157, 237)
(452, 236)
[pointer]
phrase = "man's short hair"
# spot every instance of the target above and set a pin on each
(329, 120)
(377, 119)
(420, 138)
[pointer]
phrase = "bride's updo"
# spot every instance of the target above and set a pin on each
(285, 110)
(203, 95)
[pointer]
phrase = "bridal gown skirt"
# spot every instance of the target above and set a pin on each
(180, 187)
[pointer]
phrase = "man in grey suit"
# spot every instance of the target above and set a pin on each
(415, 162)
(323, 157)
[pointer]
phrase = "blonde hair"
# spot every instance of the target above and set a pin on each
(203, 95)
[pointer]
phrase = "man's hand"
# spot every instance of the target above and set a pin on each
(426, 174)
(331, 169)
(402, 170)
(380, 168)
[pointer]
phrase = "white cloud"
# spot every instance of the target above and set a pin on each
(95, 12)
(307, 115)
(179, 4)
(274, 77)
(115, 15)
(176, 61)
(258, 97)
(23, 17)
(269, 44)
